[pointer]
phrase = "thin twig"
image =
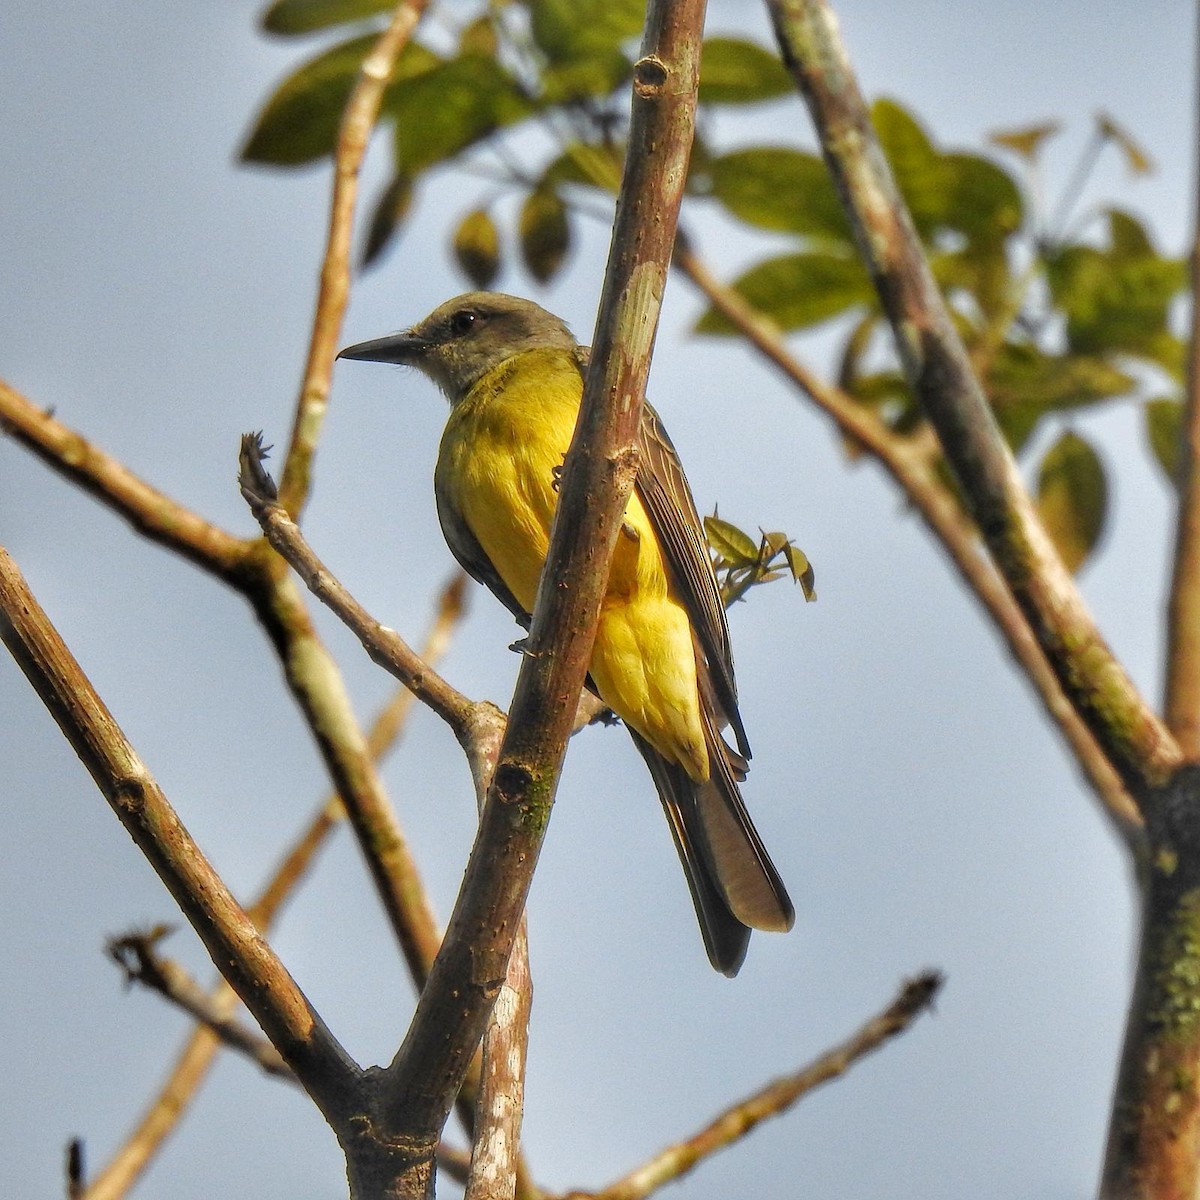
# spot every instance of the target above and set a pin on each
(916, 996)
(938, 370)
(384, 645)
(914, 472)
(148, 510)
(330, 1076)
(358, 120)
(76, 1172)
(136, 955)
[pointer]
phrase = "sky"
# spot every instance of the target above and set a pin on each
(157, 296)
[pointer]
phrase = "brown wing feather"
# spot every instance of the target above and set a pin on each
(471, 557)
(665, 495)
(667, 499)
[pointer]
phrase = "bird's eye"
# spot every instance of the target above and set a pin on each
(462, 321)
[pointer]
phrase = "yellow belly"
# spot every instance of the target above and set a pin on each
(498, 456)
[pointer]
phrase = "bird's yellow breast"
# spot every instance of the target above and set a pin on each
(498, 457)
(500, 454)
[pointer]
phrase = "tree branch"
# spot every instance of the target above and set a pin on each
(914, 472)
(916, 996)
(598, 475)
(383, 645)
(329, 1074)
(1182, 701)
(358, 120)
(497, 1169)
(939, 373)
(148, 510)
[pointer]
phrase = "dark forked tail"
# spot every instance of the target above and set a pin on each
(733, 883)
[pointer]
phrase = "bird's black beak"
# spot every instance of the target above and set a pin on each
(404, 347)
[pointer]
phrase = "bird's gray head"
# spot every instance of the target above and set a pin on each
(463, 339)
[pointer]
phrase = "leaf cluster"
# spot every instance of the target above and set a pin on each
(555, 66)
(742, 563)
(1056, 320)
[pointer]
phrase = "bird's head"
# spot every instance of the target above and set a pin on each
(463, 339)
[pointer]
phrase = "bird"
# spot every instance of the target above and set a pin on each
(513, 374)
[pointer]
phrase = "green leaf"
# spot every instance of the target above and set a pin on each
(981, 200)
(982, 271)
(777, 188)
(799, 290)
(586, 77)
(299, 123)
(304, 16)
(1027, 141)
(566, 29)
(477, 247)
(914, 161)
(1024, 384)
(734, 71)
(1128, 236)
(1114, 301)
(957, 192)
(390, 210)
(587, 165)
(732, 545)
(1136, 159)
(452, 106)
(802, 570)
(545, 233)
(1164, 432)
(479, 37)
(1072, 498)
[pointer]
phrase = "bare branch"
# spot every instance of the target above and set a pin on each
(470, 969)
(914, 472)
(262, 981)
(358, 119)
(151, 513)
(495, 1153)
(939, 373)
(916, 996)
(135, 954)
(382, 644)
(498, 1170)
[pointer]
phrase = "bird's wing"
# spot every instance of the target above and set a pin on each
(471, 557)
(668, 502)
(665, 494)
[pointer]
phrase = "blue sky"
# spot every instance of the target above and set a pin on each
(920, 809)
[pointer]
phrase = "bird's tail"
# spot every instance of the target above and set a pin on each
(733, 883)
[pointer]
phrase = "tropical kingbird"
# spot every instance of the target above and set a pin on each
(513, 374)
